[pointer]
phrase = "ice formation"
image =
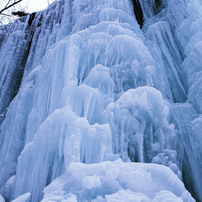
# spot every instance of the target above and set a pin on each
(92, 102)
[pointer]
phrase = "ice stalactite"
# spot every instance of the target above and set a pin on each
(12, 70)
(41, 34)
(172, 58)
(176, 31)
(98, 94)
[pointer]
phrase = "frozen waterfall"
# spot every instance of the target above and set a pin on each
(101, 101)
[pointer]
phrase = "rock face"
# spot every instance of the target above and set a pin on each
(86, 92)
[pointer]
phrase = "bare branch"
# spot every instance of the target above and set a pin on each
(7, 3)
(5, 14)
(9, 6)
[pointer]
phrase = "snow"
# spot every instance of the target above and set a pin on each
(94, 108)
(127, 182)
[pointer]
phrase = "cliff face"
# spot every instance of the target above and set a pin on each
(86, 91)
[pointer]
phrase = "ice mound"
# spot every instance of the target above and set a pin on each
(63, 138)
(140, 124)
(117, 181)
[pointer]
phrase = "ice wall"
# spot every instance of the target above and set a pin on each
(183, 18)
(85, 93)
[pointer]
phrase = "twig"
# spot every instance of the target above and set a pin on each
(11, 5)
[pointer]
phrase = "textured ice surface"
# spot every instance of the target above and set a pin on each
(117, 181)
(63, 138)
(140, 126)
(86, 94)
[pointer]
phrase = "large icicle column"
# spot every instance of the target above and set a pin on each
(99, 101)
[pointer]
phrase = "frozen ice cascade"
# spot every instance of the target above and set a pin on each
(96, 107)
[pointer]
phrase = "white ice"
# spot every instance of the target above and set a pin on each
(90, 103)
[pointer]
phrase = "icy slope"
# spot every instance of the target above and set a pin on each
(97, 94)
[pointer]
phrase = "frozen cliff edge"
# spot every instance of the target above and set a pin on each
(86, 94)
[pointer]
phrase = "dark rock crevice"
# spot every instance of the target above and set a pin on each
(138, 12)
(188, 178)
(15, 76)
(157, 6)
(31, 18)
(146, 9)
